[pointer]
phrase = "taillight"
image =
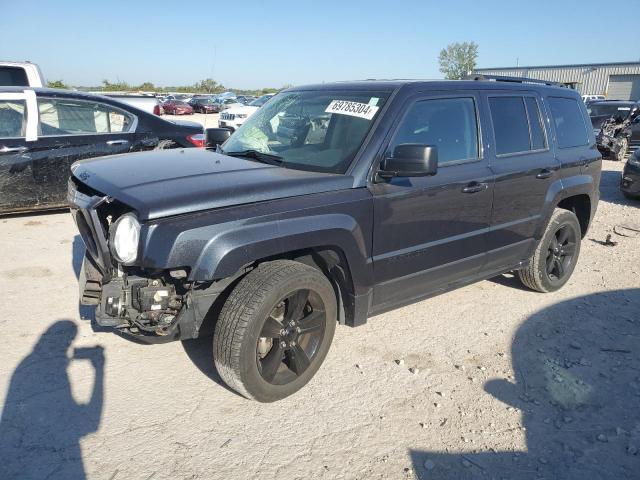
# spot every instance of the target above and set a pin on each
(197, 139)
(157, 110)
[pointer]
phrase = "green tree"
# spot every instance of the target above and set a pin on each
(458, 60)
(57, 84)
(119, 86)
(147, 87)
(208, 85)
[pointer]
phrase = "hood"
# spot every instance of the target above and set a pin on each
(247, 109)
(171, 182)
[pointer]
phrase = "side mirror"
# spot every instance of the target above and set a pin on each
(216, 136)
(410, 160)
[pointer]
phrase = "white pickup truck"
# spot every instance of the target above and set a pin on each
(21, 74)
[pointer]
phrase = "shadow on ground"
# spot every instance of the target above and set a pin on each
(42, 424)
(578, 391)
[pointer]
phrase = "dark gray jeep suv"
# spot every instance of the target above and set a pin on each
(333, 203)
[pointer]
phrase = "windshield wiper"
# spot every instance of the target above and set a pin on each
(263, 157)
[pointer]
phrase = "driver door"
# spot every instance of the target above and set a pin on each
(430, 232)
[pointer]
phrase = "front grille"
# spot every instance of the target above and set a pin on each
(227, 116)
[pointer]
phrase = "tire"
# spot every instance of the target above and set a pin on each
(552, 264)
(257, 352)
(631, 196)
(623, 150)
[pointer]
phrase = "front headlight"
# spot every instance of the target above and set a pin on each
(241, 115)
(124, 239)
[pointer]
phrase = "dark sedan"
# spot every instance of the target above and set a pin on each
(630, 182)
(176, 107)
(204, 105)
(43, 131)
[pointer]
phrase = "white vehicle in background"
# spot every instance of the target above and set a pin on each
(592, 98)
(21, 74)
(234, 117)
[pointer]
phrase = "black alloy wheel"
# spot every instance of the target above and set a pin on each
(560, 253)
(290, 337)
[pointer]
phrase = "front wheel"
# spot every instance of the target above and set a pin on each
(274, 330)
(556, 255)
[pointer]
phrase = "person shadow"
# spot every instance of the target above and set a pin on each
(577, 389)
(41, 423)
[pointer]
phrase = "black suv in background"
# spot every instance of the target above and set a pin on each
(43, 131)
(333, 203)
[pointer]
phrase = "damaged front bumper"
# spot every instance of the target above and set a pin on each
(152, 306)
(155, 309)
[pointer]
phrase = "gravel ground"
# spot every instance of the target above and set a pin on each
(489, 381)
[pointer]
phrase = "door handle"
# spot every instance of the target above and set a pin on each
(475, 187)
(6, 149)
(544, 173)
(117, 142)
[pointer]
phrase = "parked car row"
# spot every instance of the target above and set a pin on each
(43, 131)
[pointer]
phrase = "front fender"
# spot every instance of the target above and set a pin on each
(217, 244)
(228, 251)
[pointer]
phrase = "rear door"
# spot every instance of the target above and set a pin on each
(525, 167)
(431, 231)
(70, 130)
(18, 133)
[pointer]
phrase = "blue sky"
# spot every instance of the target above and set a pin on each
(258, 44)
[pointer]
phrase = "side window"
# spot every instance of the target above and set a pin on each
(535, 124)
(73, 117)
(13, 77)
(12, 118)
(517, 124)
(447, 123)
(569, 122)
(510, 125)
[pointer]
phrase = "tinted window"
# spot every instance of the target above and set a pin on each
(510, 124)
(72, 117)
(535, 124)
(12, 118)
(569, 122)
(447, 123)
(13, 77)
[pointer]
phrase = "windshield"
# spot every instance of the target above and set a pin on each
(310, 130)
(608, 109)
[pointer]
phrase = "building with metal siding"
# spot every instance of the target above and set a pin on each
(619, 79)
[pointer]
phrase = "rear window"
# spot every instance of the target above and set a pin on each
(12, 118)
(13, 77)
(75, 117)
(569, 122)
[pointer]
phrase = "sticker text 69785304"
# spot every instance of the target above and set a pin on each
(354, 109)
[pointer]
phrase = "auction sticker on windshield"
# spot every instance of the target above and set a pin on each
(354, 109)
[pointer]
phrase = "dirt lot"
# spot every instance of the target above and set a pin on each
(509, 383)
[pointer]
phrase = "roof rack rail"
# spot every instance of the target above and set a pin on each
(501, 78)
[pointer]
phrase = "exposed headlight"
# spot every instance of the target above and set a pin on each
(124, 239)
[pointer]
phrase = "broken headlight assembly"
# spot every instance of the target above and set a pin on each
(124, 239)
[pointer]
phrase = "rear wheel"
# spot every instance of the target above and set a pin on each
(556, 256)
(274, 330)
